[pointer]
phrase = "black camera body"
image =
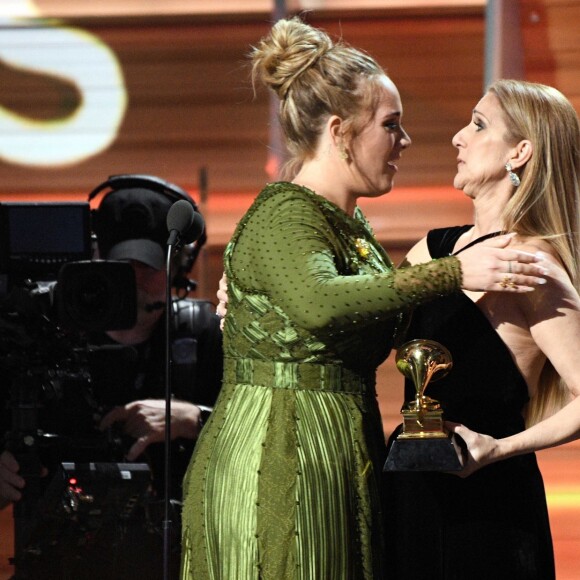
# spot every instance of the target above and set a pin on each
(60, 373)
(52, 296)
(38, 238)
(46, 268)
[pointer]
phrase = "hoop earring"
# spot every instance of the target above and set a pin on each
(514, 178)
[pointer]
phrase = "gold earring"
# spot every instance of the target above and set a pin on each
(342, 152)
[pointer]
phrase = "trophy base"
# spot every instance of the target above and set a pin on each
(429, 454)
(422, 424)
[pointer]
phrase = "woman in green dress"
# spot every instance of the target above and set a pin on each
(283, 483)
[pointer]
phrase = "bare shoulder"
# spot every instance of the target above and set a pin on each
(558, 293)
(556, 271)
(418, 254)
(535, 245)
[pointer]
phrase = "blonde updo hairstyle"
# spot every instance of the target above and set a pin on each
(314, 78)
(546, 205)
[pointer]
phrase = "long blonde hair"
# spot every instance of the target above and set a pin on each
(314, 78)
(546, 205)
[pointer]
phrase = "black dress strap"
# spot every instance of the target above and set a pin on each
(478, 240)
(441, 241)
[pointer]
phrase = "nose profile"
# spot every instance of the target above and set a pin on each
(457, 141)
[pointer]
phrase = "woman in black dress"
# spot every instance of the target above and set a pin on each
(515, 356)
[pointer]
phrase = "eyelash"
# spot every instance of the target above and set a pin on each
(392, 126)
(478, 124)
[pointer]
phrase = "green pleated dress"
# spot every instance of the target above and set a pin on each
(284, 480)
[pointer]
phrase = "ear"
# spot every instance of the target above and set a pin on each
(334, 129)
(521, 154)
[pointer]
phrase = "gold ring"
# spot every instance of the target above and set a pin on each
(508, 282)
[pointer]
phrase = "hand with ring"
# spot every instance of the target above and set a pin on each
(483, 267)
(508, 281)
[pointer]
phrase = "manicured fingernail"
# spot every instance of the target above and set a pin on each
(540, 255)
(542, 280)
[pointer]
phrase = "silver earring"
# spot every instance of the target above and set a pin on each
(514, 178)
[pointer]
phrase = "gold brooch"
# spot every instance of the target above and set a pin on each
(362, 247)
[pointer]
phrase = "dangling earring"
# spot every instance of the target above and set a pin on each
(342, 152)
(514, 178)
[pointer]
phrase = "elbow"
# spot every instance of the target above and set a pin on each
(315, 323)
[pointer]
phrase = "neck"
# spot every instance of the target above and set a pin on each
(478, 231)
(485, 222)
(345, 203)
(487, 210)
(328, 182)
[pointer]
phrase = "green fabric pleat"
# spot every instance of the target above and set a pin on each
(222, 497)
(276, 507)
(332, 538)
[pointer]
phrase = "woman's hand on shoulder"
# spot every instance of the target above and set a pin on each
(496, 265)
(557, 291)
(555, 271)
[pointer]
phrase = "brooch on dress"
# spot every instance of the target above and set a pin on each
(362, 247)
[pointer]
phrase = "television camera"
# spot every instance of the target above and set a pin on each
(52, 297)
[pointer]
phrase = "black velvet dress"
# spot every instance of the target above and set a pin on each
(493, 524)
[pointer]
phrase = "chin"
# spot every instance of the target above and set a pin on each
(387, 187)
(382, 191)
(377, 187)
(457, 183)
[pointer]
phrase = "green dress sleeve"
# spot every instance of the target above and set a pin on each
(292, 249)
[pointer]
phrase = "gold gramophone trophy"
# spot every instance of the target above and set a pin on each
(423, 444)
